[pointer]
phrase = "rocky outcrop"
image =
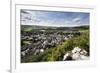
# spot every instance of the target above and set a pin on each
(76, 54)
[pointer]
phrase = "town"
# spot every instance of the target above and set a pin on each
(37, 41)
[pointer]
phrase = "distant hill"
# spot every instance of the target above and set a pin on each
(35, 27)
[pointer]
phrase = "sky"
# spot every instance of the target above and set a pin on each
(54, 18)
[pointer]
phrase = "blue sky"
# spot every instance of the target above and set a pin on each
(52, 18)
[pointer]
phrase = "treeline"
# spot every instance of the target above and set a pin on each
(34, 27)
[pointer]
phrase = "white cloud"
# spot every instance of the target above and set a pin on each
(76, 19)
(53, 25)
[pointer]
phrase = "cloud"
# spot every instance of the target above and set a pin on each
(50, 18)
(76, 19)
